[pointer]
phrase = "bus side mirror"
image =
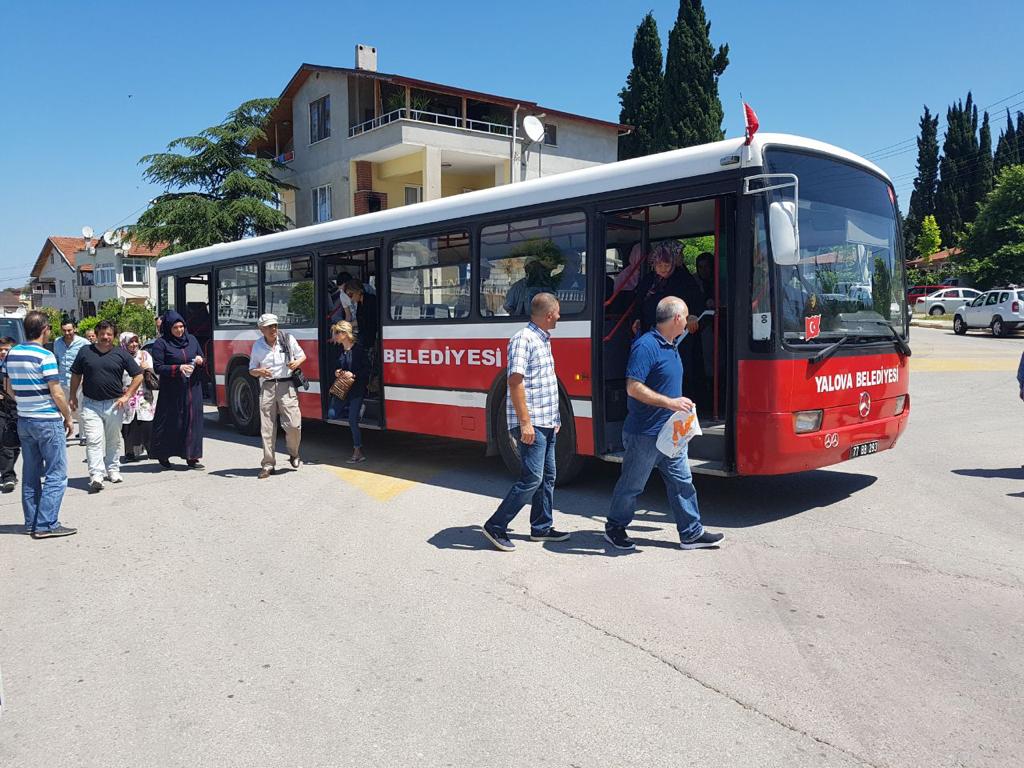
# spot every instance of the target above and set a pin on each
(782, 221)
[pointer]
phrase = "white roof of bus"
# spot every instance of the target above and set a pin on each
(638, 172)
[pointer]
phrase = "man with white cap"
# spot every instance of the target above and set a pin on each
(274, 359)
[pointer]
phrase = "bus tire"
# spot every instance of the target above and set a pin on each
(224, 416)
(244, 402)
(568, 463)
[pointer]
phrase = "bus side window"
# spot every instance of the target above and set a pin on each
(430, 278)
(760, 280)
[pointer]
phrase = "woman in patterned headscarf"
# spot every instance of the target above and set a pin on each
(667, 277)
(138, 413)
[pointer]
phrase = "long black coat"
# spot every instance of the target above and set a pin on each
(178, 421)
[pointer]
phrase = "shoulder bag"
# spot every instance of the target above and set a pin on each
(298, 377)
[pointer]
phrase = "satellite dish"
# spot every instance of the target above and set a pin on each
(126, 246)
(87, 232)
(112, 237)
(533, 128)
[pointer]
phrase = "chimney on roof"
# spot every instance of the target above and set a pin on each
(366, 58)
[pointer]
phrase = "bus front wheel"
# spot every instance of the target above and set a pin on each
(568, 463)
(244, 402)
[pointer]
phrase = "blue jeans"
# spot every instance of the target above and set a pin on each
(44, 471)
(642, 456)
(348, 409)
(536, 483)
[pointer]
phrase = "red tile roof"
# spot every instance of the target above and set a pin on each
(935, 258)
(67, 246)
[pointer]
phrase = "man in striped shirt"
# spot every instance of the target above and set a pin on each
(44, 424)
(533, 420)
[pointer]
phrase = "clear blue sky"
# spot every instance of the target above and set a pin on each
(89, 88)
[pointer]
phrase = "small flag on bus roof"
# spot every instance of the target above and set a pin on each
(751, 122)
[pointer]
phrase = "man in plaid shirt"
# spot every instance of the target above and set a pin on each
(533, 419)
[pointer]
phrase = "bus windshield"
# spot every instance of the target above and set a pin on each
(850, 271)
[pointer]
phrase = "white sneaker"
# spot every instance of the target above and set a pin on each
(115, 477)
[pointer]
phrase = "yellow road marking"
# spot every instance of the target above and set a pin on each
(375, 485)
(963, 364)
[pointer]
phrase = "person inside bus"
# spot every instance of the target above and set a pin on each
(666, 278)
(703, 362)
(339, 305)
(572, 283)
(366, 313)
(537, 279)
(353, 371)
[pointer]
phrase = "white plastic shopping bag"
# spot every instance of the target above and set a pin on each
(677, 432)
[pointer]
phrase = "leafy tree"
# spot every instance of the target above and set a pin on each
(217, 190)
(881, 288)
(56, 318)
(994, 246)
(641, 97)
(694, 247)
(929, 239)
(1006, 147)
(138, 319)
(87, 324)
(922, 199)
(301, 300)
(691, 112)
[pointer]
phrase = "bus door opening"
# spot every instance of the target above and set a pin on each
(688, 236)
(338, 269)
(193, 303)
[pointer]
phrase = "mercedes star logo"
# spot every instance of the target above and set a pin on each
(865, 404)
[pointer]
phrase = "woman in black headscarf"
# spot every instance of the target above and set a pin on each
(178, 423)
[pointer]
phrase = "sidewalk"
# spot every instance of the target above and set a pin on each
(942, 325)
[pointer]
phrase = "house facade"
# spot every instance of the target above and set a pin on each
(54, 274)
(354, 141)
(116, 270)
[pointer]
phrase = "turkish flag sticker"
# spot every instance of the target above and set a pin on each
(812, 327)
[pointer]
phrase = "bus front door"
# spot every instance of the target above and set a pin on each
(691, 233)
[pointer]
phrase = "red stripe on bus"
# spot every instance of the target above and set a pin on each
(584, 436)
(433, 419)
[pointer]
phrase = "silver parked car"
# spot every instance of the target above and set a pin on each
(1001, 310)
(944, 302)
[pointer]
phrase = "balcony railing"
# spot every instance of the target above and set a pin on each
(433, 118)
(85, 292)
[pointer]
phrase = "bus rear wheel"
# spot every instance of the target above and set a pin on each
(244, 402)
(568, 464)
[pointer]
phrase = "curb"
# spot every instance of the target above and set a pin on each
(940, 324)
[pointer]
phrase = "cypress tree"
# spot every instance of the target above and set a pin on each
(982, 181)
(955, 202)
(1006, 147)
(922, 199)
(691, 111)
(1020, 136)
(641, 98)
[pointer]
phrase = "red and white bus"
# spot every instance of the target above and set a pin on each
(802, 354)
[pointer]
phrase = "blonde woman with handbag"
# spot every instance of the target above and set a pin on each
(351, 375)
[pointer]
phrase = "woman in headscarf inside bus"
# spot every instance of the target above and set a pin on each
(178, 423)
(667, 277)
(136, 427)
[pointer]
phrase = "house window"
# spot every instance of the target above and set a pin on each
(105, 274)
(430, 278)
(322, 204)
(288, 290)
(319, 119)
(63, 289)
(238, 293)
(133, 271)
(550, 135)
(413, 194)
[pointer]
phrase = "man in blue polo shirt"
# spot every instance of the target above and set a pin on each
(44, 422)
(654, 383)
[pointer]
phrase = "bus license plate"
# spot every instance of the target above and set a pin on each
(864, 449)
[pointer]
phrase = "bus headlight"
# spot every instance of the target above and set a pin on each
(807, 421)
(901, 404)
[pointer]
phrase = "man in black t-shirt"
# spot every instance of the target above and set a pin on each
(101, 369)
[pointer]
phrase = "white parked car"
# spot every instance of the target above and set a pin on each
(1001, 310)
(945, 301)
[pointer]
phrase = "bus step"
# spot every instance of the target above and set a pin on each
(698, 466)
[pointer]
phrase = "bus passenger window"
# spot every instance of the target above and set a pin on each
(238, 293)
(523, 258)
(288, 290)
(430, 278)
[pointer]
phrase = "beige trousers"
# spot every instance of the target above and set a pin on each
(279, 397)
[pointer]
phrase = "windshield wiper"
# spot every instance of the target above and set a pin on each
(901, 346)
(828, 351)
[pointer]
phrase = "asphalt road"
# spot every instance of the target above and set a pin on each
(871, 614)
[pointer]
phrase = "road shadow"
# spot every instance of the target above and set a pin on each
(14, 529)
(243, 472)
(1007, 473)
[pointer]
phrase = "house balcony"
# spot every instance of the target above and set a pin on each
(84, 292)
(432, 118)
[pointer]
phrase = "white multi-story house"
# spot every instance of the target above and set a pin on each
(356, 140)
(54, 274)
(116, 270)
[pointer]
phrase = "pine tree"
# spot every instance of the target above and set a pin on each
(641, 98)
(955, 203)
(1006, 147)
(691, 111)
(922, 199)
(930, 239)
(982, 178)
